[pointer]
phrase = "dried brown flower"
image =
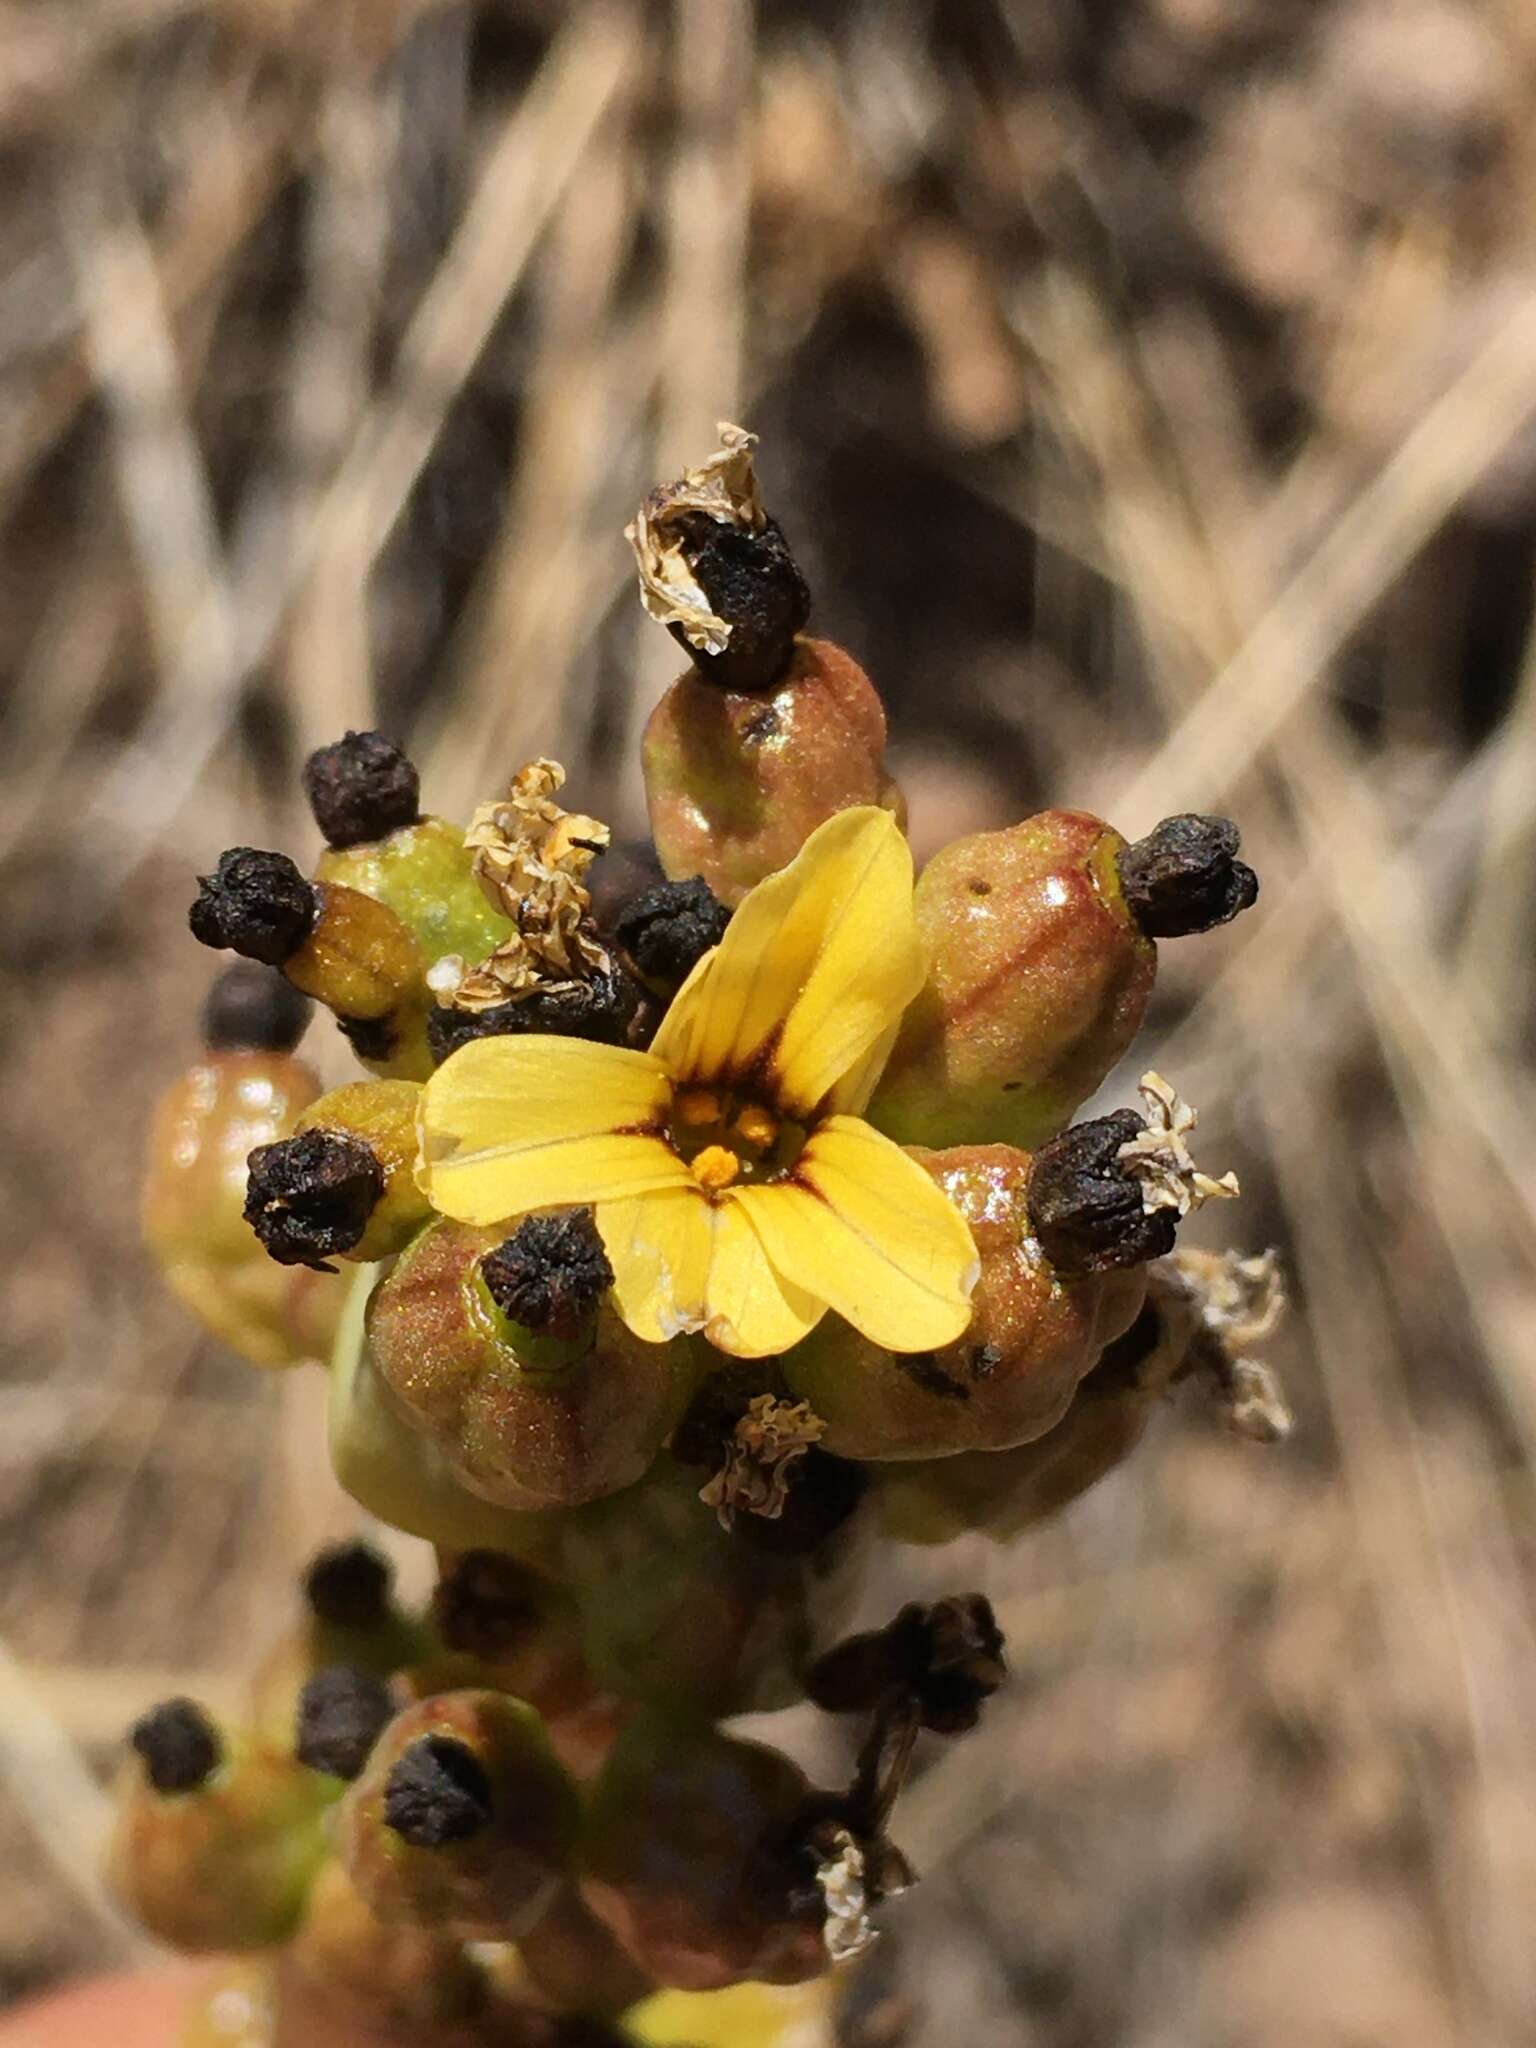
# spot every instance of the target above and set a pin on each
(724, 488)
(531, 859)
(764, 1448)
(1160, 1158)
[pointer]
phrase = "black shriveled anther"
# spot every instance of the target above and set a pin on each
(251, 1008)
(754, 583)
(488, 1603)
(360, 788)
(599, 1008)
(256, 904)
(309, 1197)
(1185, 876)
(946, 1659)
(179, 1744)
(348, 1585)
(341, 1713)
(550, 1274)
(438, 1793)
(667, 930)
(371, 1038)
(1085, 1209)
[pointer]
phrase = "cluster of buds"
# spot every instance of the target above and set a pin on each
(676, 1248)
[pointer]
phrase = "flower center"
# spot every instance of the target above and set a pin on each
(724, 1137)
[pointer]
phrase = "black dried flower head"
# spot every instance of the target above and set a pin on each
(666, 930)
(1185, 876)
(179, 1745)
(308, 1198)
(600, 1008)
(438, 1793)
(487, 1603)
(361, 787)
(251, 1008)
(348, 1585)
(256, 904)
(945, 1657)
(341, 1713)
(753, 582)
(1086, 1209)
(550, 1274)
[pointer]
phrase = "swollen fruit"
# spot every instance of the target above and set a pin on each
(690, 1856)
(1001, 1493)
(217, 1838)
(1033, 1335)
(506, 1352)
(463, 1819)
(737, 780)
(1041, 959)
(247, 1090)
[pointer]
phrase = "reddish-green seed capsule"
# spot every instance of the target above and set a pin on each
(527, 1418)
(204, 1128)
(1038, 979)
(463, 1818)
(217, 1838)
(738, 780)
(1002, 1493)
(501, 1624)
(1009, 1379)
(684, 1858)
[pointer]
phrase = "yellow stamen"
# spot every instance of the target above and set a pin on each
(756, 1125)
(716, 1167)
(696, 1106)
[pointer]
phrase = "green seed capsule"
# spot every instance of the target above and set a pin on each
(675, 1609)
(738, 780)
(1038, 979)
(527, 1416)
(1009, 1379)
(423, 873)
(463, 1819)
(217, 1839)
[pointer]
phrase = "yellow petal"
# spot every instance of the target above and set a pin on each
(513, 1124)
(860, 1226)
(659, 1246)
(817, 964)
(753, 1311)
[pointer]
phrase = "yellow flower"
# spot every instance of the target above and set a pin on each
(736, 1187)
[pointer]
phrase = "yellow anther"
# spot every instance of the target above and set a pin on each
(716, 1167)
(756, 1126)
(696, 1106)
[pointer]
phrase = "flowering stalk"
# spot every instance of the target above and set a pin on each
(697, 1241)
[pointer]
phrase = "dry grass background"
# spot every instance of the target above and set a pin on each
(1149, 386)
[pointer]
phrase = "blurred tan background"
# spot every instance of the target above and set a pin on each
(1149, 387)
